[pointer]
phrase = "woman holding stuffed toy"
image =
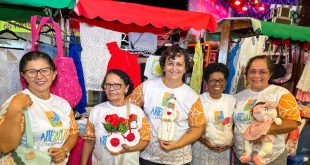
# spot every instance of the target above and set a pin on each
(116, 131)
(35, 111)
(214, 146)
(169, 96)
(258, 72)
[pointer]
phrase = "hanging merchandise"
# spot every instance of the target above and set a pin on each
(231, 66)
(303, 86)
(125, 61)
(288, 66)
(49, 49)
(74, 53)
(9, 73)
(144, 42)
(95, 55)
(196, 78)
(66, 84)
(152, 67)
(250, 47)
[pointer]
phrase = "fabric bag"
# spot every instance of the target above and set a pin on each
(26, 154)
(66, 84)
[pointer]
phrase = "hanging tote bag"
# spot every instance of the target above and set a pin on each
(66, 84)
(25, 155)
(287, 66)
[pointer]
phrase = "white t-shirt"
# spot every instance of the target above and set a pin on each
(101, 155)
(246, 99)
(51, 121)
(216, 111)
(155, 96)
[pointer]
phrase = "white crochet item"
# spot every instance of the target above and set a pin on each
(95, 55)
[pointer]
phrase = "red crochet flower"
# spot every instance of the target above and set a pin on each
(130, 137)
(132, 117)
(114, 123)
(115, 142)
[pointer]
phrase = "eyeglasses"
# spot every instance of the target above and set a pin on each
(115, 86)
(260, 72)
(220, 81)
(32, 73)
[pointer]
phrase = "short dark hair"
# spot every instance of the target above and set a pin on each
(215, 67)
(124, 76)
(269, 62)
(173, 52)
(34, 55)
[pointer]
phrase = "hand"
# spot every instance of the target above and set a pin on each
(126, 148)
(20, 101)
(58, 154)
(213, 147)
(168, 145)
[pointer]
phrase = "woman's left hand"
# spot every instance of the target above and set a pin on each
(126, 148)
(58, 154)
(168, 145)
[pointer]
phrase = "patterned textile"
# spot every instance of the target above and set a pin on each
(95, 55)
(196, 78)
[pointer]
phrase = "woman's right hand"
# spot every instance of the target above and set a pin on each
(20, 101)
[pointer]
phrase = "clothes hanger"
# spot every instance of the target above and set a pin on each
(7, 31)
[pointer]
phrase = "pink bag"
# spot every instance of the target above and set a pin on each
(66, 84)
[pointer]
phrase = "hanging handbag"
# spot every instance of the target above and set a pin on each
(26, 154)
(287, 66)
(66, 84)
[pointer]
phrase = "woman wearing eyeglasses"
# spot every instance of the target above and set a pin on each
(213, 147)
(258, 72)
(188, 119)
(116, 85)
(51, 118)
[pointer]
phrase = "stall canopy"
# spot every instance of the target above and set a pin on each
(42, 3)
(142, 15)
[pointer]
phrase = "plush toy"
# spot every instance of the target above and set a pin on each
(264, 115)
(219, 136)
(166, 130)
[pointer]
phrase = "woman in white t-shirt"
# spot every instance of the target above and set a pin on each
(258, 71)
(117, 85)
(155, 95)
(52, 121)
(213, 148)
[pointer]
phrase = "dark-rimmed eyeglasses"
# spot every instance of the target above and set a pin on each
(32, 73)
(115, 86)
(260, 72)
(214, 81)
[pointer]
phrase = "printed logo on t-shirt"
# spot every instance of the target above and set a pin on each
(218, 116)
(52, 137)
(250, 104)
(167, 96)
(54, 119)
(103, 140)
(157, 110)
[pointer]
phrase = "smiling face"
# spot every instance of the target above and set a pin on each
(258, 75)
(175, 69)
(39, 76)
(115, 89)
(216, 83)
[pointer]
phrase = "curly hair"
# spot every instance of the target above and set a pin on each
(124, 76)
(215, 67)
(34, 55)
(173, 52)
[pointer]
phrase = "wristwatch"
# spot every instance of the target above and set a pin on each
(66, 151)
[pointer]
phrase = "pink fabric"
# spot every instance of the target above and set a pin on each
(76, 153)
(66, 84)
(256, 130)
(303, 96)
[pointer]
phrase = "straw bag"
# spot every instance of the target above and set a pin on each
(66, 84)
(26, 154)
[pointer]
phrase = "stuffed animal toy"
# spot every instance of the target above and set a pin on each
(166, 130)
(264, 115)
(220, 136)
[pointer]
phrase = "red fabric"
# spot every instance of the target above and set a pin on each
(124, 61)
(143, 15)
(76, 153)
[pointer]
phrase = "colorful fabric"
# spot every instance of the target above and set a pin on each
(196, 78)
(287, 109)
(154, 96)
(95, 131)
